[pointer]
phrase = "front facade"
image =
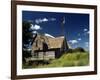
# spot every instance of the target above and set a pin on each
(45, 47)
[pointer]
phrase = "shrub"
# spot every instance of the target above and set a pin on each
(79, 49)
(70, 51)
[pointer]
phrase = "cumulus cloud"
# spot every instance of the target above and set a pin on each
(73, 41)
(46, 34)
(88, 32)
(40, 20)
(45, 19)
(79, 39)
(34, 32)
(85, 30)
(87, 44)
(35, 27)
(53, 19)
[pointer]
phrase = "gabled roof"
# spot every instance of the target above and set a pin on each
(56, 42)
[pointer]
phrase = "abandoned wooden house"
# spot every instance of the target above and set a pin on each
(45, 47)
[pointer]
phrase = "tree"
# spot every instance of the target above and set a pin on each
(27, 36)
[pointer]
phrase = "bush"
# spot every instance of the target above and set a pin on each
(26, 54)
(79, 49)
(70, 51)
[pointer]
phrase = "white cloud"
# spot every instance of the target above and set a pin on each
(44, 20)
(85, 30)
(79, 39)
(87, 44)
(88, 32)
(37, 21)
(34, 32)
(35, 27)
(41, 20)
(53, 19)
(49, 35)
(73, 41)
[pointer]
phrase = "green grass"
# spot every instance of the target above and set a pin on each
(68, 60)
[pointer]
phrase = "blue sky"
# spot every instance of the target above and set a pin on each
(75, 26)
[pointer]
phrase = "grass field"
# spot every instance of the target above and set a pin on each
(66, 60)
